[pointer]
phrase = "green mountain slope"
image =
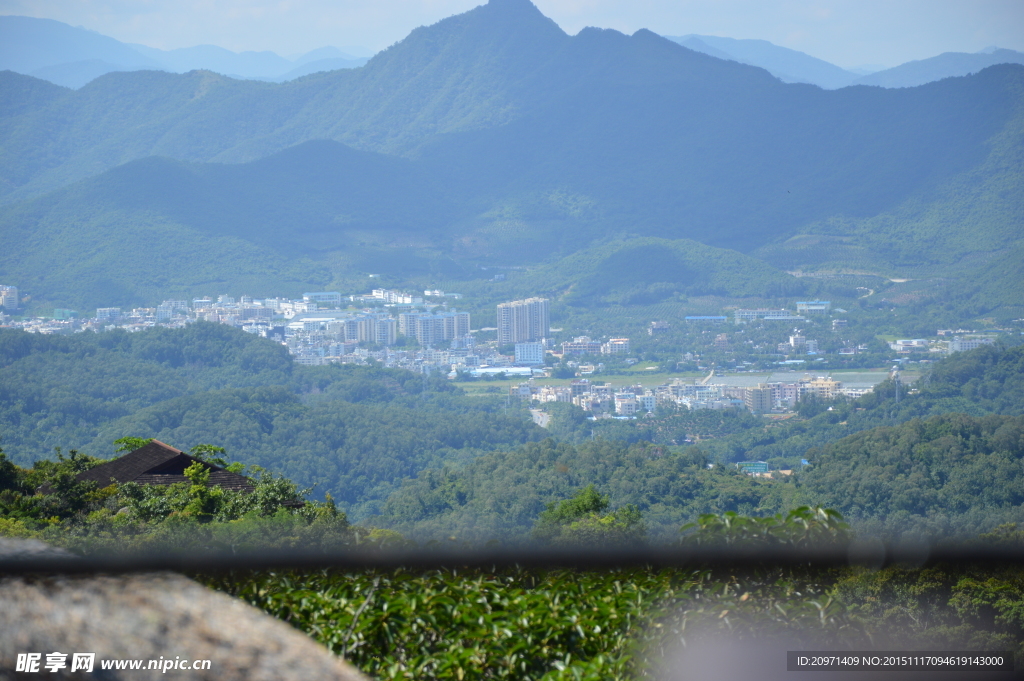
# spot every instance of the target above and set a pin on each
(945, 460)
(457, 74)
(157, 228)
(522, 145)
(355, 432)
(645, 270)
(947, 474)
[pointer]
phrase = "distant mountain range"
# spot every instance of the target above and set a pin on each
(945, 65)
(493, 138)
(72, 57)
(792, 66)
(788, 65)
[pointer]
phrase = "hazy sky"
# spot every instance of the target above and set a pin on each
(846, 32)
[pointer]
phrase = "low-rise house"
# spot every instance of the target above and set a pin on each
(160, 464)
(965, 344)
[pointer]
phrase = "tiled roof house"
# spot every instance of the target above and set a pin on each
(160, 464)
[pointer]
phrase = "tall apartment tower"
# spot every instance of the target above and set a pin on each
(523, 321)
(9, 297)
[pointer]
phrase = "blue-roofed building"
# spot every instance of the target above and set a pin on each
(813, 307)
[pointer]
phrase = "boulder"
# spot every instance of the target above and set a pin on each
(158, 616)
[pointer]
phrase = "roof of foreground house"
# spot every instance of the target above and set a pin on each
(160, 464)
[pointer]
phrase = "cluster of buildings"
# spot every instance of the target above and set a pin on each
(583, 345)
(955, 344)
(604, 401)
(323, 328)
(471, 359)
(804, 309)
(526, 324)
(798, 344)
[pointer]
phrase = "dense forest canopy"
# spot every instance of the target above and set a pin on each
(352, 431)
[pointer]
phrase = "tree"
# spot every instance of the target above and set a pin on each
(210, 454)
(203, 499)
(580, 521)
(802, 526)
(130, 444)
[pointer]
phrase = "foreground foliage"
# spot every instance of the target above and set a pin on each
(516, 623)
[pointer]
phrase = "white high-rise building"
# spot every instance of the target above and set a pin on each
(530, 353)
(434, 329)
(108, 314)
(523, 321)
(9, 297)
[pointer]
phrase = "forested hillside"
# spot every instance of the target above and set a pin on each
(355, 432)
(937, 461)
(952, 474)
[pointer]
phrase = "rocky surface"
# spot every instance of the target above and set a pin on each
(148, 617)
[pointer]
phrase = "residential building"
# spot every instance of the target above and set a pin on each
(323, 298)
(159, 464)
(626, 404)
(787, 394)
(579, 386)
(768, 315)
(523, 391)
(596, 404)
(385, 331)
(616, 346)
(964, 344)
(169, 308)
(755, 468)
(108, 314)
(824, 387)
(530, 354)
(907, 346)
(759, 399)
(559, 393)
(813, 307)
(434, 329)
(581, 345)
(523, 321)
(9, 298)
(396, 297)
(657, 328)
